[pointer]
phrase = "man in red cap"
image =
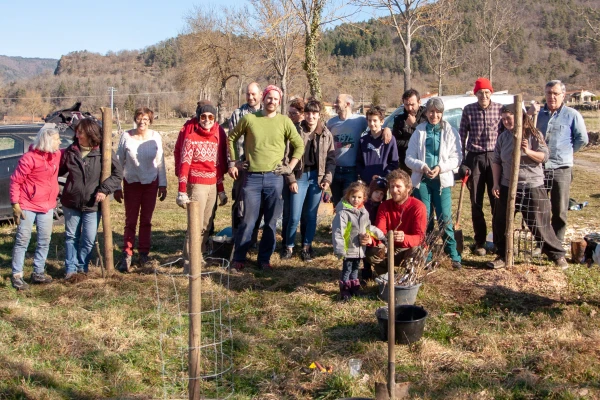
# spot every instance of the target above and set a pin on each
(265, 136)
(480, 125)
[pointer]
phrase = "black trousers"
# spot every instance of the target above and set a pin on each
(481, 176)
(534, 205)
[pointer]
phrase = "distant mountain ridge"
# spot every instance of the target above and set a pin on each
(20, 68)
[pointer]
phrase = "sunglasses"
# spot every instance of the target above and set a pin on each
(205, 117)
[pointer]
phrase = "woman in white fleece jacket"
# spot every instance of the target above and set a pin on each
(433, 152)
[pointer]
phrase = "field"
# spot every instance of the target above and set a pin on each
(528, 333)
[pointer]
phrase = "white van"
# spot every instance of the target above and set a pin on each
(453, 107)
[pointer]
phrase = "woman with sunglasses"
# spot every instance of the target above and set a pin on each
(140, 153)
(201, 156)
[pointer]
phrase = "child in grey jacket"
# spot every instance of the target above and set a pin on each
(351, 229)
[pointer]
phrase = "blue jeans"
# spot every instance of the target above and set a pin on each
(80, 234)
(441, 201)
(43, 222)
(350, 269)
(260, 189)
(302, 208)
(342, 178)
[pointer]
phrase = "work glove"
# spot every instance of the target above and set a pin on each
(182, 199)
(17, 213)
(464, 171)
(118, 195)
(162, 193)
(282, 170)
(242, 165)
(223, 199)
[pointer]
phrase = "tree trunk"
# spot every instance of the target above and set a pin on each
(490, 66)
(222, 91)
(440, 70)
(240, 87)
(284, 90)
(310, 53)
(407, 59)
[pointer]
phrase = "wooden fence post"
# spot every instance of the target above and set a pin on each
(195, 255)
(391, 318)
(514, 178)
(105, 205)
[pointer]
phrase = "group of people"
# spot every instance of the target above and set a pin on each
(282, 165)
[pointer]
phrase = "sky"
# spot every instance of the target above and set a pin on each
(50, 29)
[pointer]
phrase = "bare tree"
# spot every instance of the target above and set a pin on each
(211, 52)
(496, 22)
(590, 14)
(278, 33)
(444, 31)
(407, 17)
(310, 13)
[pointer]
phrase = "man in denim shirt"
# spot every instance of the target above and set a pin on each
(565, 133)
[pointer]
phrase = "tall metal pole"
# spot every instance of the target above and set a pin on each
(195, 307)
(105, 205)
(391, 318)
(514, 178)
(112, 91)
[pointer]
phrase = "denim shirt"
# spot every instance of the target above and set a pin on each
(565, 134)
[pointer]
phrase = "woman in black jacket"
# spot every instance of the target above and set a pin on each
(83, 190)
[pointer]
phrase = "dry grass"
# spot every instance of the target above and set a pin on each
(528, 333)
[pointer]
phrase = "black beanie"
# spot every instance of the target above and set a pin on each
(205, 107)
(379, 184)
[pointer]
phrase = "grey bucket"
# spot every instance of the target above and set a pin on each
(404, 295)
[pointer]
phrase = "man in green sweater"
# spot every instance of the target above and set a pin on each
(265, 136)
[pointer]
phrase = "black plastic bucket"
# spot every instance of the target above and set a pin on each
(410, 322)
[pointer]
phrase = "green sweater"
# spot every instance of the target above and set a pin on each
(265, 140)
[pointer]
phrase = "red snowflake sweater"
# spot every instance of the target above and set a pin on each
(202, 157)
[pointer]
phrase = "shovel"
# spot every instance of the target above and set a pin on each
(390, 390)
(458, 233)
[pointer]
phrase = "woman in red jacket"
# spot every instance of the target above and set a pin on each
(33, 193)
(203, 159)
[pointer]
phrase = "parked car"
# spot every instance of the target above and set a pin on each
(453, 107)
(14, 142)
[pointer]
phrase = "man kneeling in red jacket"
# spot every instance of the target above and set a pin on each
(404, 215)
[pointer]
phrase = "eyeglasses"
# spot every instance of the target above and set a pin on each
(293, 113)
(142, 120)
(205, 117)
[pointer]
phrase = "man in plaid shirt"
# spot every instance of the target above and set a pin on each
(480, 125)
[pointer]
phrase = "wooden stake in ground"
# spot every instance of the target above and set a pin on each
(105, 205)
(391, 319)
(195, 254)
(514, 177)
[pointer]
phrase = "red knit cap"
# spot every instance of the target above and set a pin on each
(483, 83)
(269, 88)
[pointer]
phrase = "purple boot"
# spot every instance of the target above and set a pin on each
(345, 287)
(355, 287)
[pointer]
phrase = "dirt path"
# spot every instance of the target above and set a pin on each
(582, 161)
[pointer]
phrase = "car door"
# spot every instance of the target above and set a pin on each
(11, 150)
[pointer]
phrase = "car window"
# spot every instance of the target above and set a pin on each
(10, 147)
(389, 122)
(453, 117)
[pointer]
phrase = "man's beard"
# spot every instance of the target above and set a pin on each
(401, 198)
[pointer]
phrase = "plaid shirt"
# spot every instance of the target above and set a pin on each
(482, 127)
(236, 116)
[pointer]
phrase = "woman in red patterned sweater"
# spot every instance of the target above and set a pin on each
(203, 161)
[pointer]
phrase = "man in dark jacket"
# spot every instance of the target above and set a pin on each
(405, 123)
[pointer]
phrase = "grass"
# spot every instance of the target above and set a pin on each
(529, 333)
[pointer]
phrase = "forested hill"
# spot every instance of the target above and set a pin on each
(365, 59)
(18, 68)
(546, 44)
